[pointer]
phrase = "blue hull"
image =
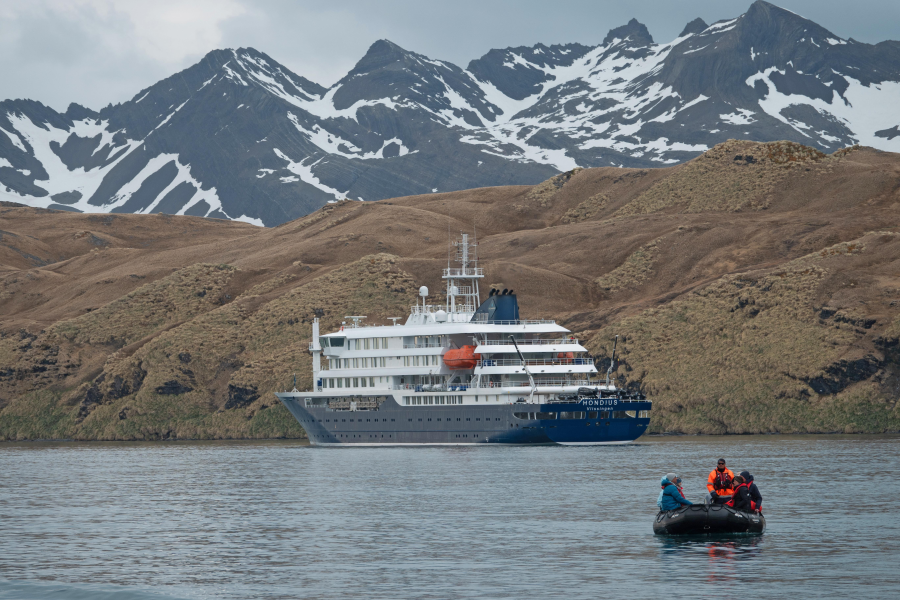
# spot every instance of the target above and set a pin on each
(392, 424)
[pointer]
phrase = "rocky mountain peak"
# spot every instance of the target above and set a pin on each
(379, 55)
(634, 31)
(695, 26)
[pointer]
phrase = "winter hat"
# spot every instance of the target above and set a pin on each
(671, 477)
(747, 476)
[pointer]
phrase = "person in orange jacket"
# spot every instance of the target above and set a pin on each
(720, 481)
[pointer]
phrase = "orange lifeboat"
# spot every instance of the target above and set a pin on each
(566, 355)
(461, 358)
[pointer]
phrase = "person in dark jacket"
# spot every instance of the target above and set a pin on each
(669, 497)
(740, 499)
(754, 491)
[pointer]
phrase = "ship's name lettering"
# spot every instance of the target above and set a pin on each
(599, 401)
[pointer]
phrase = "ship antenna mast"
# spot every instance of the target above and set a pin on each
(462, 283)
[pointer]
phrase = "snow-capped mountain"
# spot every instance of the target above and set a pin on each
(239, 136)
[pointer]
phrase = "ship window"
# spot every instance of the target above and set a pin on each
(468, 419)
(371, 382)
(392, 420)
(342, 420)
(571, 415)
(346, 382)
(375, 343)
(420, 419)
(367, 420)
(336, 342)
(429, 419)
(340, 382)
(592, 414)
(478, 419)
(406, 400)
(623, 414)
(644, 414)
(346, 363)
(366, 343)
(410, 420)
(458, 419)
(543, 416)
(604, 414)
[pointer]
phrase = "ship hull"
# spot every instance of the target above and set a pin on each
(391, 424)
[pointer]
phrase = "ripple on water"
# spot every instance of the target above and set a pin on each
(283, 520)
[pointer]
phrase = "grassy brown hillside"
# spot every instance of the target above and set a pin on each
(756, 289)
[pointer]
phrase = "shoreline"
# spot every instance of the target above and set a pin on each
(652, 438)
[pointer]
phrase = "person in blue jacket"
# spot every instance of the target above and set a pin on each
(670, 498)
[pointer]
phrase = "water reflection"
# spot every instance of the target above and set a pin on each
(721, 553)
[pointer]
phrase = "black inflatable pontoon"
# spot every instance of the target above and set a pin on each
(714, 519)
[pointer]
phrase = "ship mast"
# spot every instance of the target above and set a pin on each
(462, 283)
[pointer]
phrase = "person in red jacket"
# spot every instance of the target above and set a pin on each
(740, 500)
(720, 481)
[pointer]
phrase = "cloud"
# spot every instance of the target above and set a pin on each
(99, 51)
(96, 51)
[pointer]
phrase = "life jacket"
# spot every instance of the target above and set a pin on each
(721, 481)
(735, 495)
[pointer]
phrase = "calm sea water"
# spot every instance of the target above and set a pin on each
(284, 520)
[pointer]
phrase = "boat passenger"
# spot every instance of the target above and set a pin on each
(755, 496)
(670, 498)
(719, 482)
(740, 499)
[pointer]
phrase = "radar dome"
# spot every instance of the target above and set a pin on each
(423, 291)
(440, 316)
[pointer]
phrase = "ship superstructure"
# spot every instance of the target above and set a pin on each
(462, 372)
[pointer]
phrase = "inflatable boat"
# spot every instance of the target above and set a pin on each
(712, 519)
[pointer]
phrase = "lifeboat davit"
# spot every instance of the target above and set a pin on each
(461, 358)
(713, 519)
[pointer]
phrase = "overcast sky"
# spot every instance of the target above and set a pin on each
(97, 52)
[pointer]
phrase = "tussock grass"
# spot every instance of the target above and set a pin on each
(229, 358)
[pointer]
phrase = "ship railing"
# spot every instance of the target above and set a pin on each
(482, 318)
(537, 383)
(423, 345)
(531, 342)
(467, 272)
(417, 387)
(418, 309)
(513, 362)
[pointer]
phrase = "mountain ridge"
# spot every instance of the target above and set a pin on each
(239, 136)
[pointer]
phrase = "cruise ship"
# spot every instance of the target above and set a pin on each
(463, 372)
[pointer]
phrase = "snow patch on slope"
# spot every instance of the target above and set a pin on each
(868, 108)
